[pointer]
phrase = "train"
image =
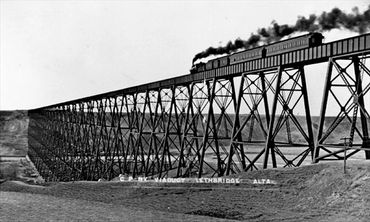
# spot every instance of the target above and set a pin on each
(300, 42)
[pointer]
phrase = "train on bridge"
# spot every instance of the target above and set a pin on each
(304, 41)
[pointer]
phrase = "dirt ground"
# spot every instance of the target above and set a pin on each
(320, 192)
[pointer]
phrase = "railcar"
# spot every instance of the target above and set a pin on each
(292, 44)
(216, 63)
(255, 53)
(224, 61)
(209, 65)
(300, 42)
(220, 62)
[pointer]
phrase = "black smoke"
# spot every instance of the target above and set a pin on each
(336, 18)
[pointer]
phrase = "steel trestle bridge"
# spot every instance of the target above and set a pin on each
(213, 123)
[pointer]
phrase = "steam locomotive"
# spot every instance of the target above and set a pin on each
(300, 42)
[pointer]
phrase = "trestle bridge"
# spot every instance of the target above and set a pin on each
(212, 123)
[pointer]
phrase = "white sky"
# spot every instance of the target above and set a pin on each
(54, 51)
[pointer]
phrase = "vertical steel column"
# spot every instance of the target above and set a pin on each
(311, 144)
(264, 95)
(151, 124)
(211, 95)
(270, 140)
(164, 141)
(186, 127)
(177, 118)
(157, 132)
(136, 135)
(236, 134)
(118, 143)
(130, 156)
(324, 104)
(361, 104)
(139, 145)
(224, 97)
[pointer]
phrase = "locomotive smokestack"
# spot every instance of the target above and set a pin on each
(327, 21)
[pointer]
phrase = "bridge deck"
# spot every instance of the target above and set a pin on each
(308, 56)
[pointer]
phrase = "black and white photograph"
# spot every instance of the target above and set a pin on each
(175, 110)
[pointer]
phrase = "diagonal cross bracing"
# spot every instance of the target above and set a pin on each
(213, 123)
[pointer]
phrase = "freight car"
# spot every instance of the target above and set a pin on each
(292, 44)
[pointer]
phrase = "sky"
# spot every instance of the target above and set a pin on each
(55, 51)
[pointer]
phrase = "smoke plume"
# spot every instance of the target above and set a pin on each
(334, 19)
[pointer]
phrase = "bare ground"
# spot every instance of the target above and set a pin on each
(320, 192)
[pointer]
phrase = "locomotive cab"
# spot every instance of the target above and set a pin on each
(193, 69)
(199, 67)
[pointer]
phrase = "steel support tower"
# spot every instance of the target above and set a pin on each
(246, 116)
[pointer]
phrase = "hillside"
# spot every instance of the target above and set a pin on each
(13, 133)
